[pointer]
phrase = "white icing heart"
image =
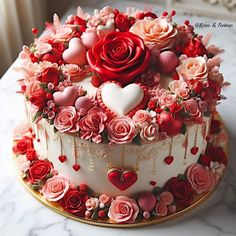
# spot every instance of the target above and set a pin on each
(121, 100)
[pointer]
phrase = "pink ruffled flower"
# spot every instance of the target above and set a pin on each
(217, 169)
(121, 130)
(142, 117)
(23, 164)
(179, 87)
(66, 119)
(93, 124)
(22, 130)
(32, 87)
(105, 199)
(123, 210)
(200, 178)
(92, 203)
(193, 68)
(167, 99)
(158, 31)
(55, 188)
(161, 209)
(149, 132)
(192, 108)
(42, 48)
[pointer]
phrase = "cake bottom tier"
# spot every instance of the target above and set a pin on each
(179, 194)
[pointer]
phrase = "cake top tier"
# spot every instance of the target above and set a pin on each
(120, 77)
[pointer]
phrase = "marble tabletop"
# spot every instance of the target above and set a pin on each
(21, 214)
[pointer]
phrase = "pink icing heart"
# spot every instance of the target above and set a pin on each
(89, 39)
(75, 53)
(67, 97)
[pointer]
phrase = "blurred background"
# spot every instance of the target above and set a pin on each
(17, 17)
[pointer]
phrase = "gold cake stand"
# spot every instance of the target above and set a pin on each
(106, 223)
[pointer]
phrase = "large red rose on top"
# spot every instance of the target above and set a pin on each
(120, 56)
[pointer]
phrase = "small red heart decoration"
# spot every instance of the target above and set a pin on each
(122, 179)
(194, 150)
(168, 160)
(153, 183)
(62, 158)
(76, 167)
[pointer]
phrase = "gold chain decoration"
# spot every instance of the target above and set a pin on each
(76, 166)
(185, 145)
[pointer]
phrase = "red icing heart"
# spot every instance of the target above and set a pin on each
(194, 150)
(123, 99)
(153, 183)
(168, 160)
(76, 167)
(122, 179)
(62, 158)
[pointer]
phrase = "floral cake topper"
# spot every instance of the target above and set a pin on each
(170, 72)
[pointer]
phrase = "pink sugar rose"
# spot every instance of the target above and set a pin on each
(22, 130)
(123, 210)
(55, 188)
(166, 198)
(121, 130)
(66, 119)
(200, 178)
(179, 87)
(92, 203)
(42, 48)
(23, 164)
(158, 31)
(149, 132)
(167, 99)
(193, 68)
(93, 124)
(142, 117)
(192, 108)
(63, 33)
(161, 209)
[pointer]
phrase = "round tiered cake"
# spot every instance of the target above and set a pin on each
(120, 116)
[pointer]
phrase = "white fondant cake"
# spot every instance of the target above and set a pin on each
(120, 110)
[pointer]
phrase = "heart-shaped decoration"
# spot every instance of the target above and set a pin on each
(76, 167)
(121, 101)
(122, 179)
(75, 53)
(66, 97)
(62, 158)
(194, 150)
(169, 159)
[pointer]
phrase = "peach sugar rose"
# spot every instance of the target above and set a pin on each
(123, 210)
(158, 31)
(55, 188)
(193, 68)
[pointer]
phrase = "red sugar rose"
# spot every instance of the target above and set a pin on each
(39, 170)
(53, 56)
(31, 154)
(23, 145)
(122, 22)
(217, 154)
(74, 202)
(194, 47)
(38, 98)
(181, 190)
(120, 56)
(50, 75)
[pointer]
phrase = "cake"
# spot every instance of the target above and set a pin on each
(121, 123)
